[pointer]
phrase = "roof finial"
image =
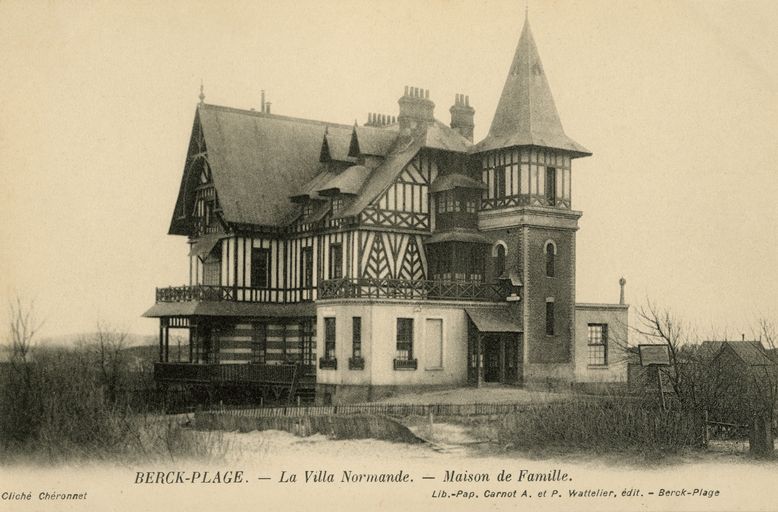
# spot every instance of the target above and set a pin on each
(202, 94)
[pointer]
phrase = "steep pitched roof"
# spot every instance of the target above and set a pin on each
(383, 176)
(440, 136)
(259, 160)
(370, 140)
(336, 146)
(526, 114)
(349, 181)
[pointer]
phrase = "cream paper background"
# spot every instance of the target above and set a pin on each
(677, 101)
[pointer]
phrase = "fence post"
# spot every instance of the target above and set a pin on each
(432, 421)
(706, 431)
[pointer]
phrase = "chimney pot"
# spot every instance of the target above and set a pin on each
(406, 91)
(622, 282)
(467, 101)
(427, 94)
(262, 106)
(267, 107)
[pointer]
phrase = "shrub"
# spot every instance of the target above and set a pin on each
(607, 424)
(59, 408)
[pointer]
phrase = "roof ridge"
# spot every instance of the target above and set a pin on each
(273, 116)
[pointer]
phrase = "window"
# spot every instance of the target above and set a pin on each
(260, 268)
(208, 213)
(356, 337)
(308, 344)
(404, 339)
(259, 344)
(329, 339)
(499, 261)
(550, 186)
(336, 261)
(499, 182)
(550, 317)
(471, 205)
(550, 256)
(337, 205)
(307, 209)
(306, 267)
(597, 340)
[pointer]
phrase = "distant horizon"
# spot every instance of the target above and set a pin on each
(678, 102)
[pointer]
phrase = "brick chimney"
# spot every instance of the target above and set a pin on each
(379, 120)
(462, 116)
(416, 110)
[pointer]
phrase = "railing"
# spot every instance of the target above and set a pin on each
(225, 373)
(396, 410)
(328, 364)
(405, 364)
(411, 289)
(204, 292)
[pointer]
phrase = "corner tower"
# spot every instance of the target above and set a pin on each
(526, 209)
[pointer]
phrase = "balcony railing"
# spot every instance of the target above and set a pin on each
(227, 373)
(204, 292)
(411, 289)
(406, 364)
(356, 363)
(328, 364)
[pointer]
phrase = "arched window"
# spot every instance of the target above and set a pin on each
(550, 257)
(499, 259)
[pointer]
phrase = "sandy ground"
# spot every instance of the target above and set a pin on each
(282, 472)
(486, 394)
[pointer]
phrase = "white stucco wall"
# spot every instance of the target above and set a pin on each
(379, 340)
(616, 316)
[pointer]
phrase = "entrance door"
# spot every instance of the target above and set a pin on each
(491, 359)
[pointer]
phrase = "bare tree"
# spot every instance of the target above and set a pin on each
(106, 347)
(23, 326)
(661, 326)
(21, 404)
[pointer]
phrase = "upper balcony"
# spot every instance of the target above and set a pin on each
(214, 293)
(413, 289)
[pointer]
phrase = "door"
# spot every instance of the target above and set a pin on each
(491, 359)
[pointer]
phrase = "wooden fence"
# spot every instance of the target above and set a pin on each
(399, 410)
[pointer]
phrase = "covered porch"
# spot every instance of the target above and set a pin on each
(256, 351)
(495, 346)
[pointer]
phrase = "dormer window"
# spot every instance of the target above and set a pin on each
(307, 209)
(337, 204)
(207, 213)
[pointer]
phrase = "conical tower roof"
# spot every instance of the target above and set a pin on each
(526, 114)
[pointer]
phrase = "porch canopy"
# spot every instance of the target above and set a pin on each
(227, 308)
(205, 244)
(493, 320)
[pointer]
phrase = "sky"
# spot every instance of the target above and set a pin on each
(677, 100)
